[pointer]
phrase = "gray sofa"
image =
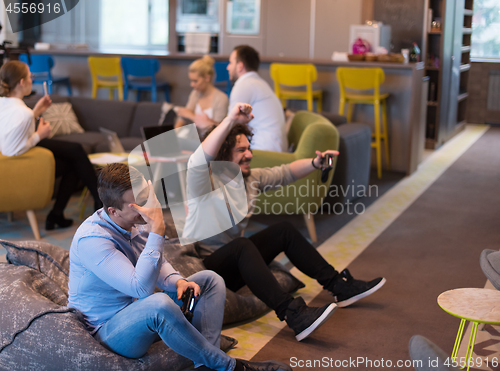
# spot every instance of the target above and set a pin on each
(125, 118)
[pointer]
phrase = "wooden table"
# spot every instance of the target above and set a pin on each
(471, 304)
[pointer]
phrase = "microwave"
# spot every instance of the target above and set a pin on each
(197, 16)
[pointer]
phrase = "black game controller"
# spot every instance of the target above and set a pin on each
(326, 166)
(188, 299)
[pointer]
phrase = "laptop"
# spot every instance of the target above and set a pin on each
(170, 151)
(113, 141)
(149, 132)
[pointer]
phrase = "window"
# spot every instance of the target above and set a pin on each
(111, 24)
(486, 29)
(133, 24)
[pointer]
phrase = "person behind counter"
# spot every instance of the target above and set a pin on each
(18, 135)
(207, 105)
(268, 126)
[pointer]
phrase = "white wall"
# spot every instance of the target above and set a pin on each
(332, 23)
(287, 28)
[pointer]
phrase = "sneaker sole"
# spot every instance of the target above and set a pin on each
(321, 319)
(346, 303)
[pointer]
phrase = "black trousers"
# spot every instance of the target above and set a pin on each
(72, 164)
(244, 261)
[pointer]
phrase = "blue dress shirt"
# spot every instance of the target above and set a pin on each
(111, 267)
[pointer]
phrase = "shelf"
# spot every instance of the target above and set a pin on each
(432, 103)
(430, 68)
(466, 49)
(430, 143)
(462, 96)
(467, 31)
(464, 67)
(435, 32)
(468, 12)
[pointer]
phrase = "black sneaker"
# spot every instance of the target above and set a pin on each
(241, 364)
(346, 290)
(304, 320)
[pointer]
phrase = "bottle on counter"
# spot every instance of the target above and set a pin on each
(415, 53)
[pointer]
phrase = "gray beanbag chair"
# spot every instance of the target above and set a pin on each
(427, 356)
(39, 332)
(490, 264)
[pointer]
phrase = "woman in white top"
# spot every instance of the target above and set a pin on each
(18, 135)
(207, 105)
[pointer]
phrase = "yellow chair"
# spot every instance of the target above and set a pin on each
(27, 183)
(352, 81)
(106, 73)
(294, 76)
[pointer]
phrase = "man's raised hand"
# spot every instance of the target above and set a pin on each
(241, 113)
(151, 211)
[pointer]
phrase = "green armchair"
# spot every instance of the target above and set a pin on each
(27, 183)
(308, 132)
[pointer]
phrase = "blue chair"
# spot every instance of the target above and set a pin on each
(222, 77)
(41, 66)
(140, 74)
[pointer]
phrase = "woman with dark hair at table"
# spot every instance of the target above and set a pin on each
(18, 135)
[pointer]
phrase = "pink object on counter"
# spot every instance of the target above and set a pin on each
(360, 46)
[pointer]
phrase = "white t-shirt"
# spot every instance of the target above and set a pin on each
(17, 127)
(209, 111)
(269, 122)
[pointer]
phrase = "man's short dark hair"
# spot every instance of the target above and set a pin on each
(225, 151)
(248, 56)
(113, 181)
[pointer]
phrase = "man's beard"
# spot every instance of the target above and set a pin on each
(245, 173)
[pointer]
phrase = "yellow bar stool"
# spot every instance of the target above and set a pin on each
(294, 78)
(353, 82)
(106, 73)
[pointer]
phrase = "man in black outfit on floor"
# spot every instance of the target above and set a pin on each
(244, 261)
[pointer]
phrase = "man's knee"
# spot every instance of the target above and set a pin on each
(245, 246)
(160, 304)
(209, 279)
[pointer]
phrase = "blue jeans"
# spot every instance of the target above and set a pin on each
(131, 331)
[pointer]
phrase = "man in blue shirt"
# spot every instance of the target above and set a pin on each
(116, 261)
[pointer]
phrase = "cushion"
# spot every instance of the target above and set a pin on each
(51, 260)
(146, 114)
(62, 119)
(95, 113)
(91, 141)
(37, 332)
